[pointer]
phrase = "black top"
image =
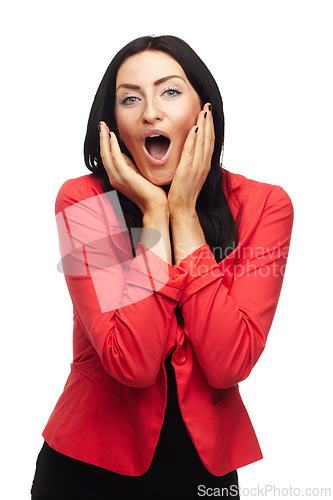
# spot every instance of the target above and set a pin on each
(176, 470)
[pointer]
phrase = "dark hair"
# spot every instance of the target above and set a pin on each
(216, 219)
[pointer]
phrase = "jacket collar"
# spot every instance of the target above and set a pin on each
(234, 181)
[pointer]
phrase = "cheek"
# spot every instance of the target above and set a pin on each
(187, 119)
(125, 127)
(121, 125)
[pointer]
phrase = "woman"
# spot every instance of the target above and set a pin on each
(174, 267)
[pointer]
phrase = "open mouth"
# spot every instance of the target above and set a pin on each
(157, 146)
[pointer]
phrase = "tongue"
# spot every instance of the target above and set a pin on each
(157, 146)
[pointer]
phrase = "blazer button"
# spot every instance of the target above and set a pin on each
(180, 357)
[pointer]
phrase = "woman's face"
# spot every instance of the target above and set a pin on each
(155, 108)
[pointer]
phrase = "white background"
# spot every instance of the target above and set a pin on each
(272, 61)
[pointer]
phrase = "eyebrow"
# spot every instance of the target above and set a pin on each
(158, 82)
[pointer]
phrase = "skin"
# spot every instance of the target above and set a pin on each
(171, 106)
(192, 144)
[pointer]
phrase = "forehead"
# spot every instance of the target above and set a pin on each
(148, 66)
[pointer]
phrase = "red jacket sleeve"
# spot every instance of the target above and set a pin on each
(123, 303)
(228, 307)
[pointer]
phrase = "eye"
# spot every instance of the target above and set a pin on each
(131, 99)
(172, 91)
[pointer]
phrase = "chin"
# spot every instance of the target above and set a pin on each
(160, 180)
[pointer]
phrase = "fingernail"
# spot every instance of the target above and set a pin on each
(196, 130)
(210, 107)
(205, 114)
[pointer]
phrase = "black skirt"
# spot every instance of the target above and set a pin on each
(176, 471)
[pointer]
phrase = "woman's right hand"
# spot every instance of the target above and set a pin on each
(126, 178)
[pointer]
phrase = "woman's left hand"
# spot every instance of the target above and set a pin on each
(193, 167)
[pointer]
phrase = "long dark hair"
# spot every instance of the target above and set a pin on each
(216, 219)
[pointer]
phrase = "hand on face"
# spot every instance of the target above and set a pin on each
(126, 178)
(187, 182)
(193, 167)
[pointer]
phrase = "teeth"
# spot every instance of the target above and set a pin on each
(154, 135)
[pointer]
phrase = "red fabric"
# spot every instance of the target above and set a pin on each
(111, 410)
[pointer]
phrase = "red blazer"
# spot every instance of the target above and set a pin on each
(111, 410)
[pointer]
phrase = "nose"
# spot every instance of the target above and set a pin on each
(152, 112)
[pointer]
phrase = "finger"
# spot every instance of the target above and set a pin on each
(120, 161)
(116, 153)
(108, 155)
(104, 143)
(199, 148)
(205, 141)
(186, 158)
(209, 135)
(104, 137)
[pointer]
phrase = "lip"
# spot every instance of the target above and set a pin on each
(156, 131)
